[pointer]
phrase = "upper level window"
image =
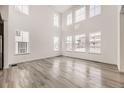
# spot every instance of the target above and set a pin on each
(23, 9)
(56, 20)
(69, 19)
(95, 10)
(80, 14)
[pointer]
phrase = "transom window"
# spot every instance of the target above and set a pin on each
(56, 20)
(94, 10)
(23, 9)
(80, 14)
(69, 19)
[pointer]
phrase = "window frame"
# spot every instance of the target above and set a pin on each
(56, 40)
(69, 42)
(82, 41)
(69, 19)
(94, 10)
(56, 20)
(95, 42)
(80, 14)
(22, 37)
(24, 9)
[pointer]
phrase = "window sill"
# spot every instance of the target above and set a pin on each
(95, 53)
(68, 51)
(79, 51)
(22, 54)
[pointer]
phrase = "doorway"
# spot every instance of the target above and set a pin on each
(1, 43)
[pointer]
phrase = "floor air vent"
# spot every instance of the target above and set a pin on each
(13, 65)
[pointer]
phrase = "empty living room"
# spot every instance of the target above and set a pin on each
(61, 46)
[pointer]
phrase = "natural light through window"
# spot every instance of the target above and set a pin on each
(22, 42)
(69, 19)
(23, 9)
(56, 20)
(56, 43)
(68, 43)
(94, 10)
(80, 14)
(80, 41)
(95, 42)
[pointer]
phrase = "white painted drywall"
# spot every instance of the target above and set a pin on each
(107, 23)
(40, 26)
(39, 23)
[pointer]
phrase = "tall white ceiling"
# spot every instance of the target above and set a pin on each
(61, 8)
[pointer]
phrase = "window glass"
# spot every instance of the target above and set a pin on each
(23, 9)
(56, 20)
(80, 14)
(95, 42)
(69, 43)
(80, 41)
(69, 19)
(95, 10)
(22, 42)
(56, 43)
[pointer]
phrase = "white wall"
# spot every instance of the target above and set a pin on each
(40, 26)
(39, 23)
(107, 23)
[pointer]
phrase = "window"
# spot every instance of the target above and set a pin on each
(80, 41)
(56, 20)
(95, 42)
(23, 9)
(69, 43)
(69, 19)
(22, 42)
(56, 43)
(95, 10)
(80, 14)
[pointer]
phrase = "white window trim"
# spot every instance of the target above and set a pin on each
(69, 19)
(95, 36)
(94, 10)
(80, 14)
(56, 20)
(84, 38)
(24, 38)
(24, 9)
(56, 40)
(69, 40)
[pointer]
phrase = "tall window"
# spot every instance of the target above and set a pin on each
(80, 14)
(68, 43)
(56, 43)
(69, 19)
(95, 10)
(22, 42)
(56, 20)
(23, 9)
(95, 42)
(80, 41)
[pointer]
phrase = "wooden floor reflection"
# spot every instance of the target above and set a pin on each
(62, 72)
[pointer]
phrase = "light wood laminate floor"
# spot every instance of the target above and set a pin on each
(62, 72)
